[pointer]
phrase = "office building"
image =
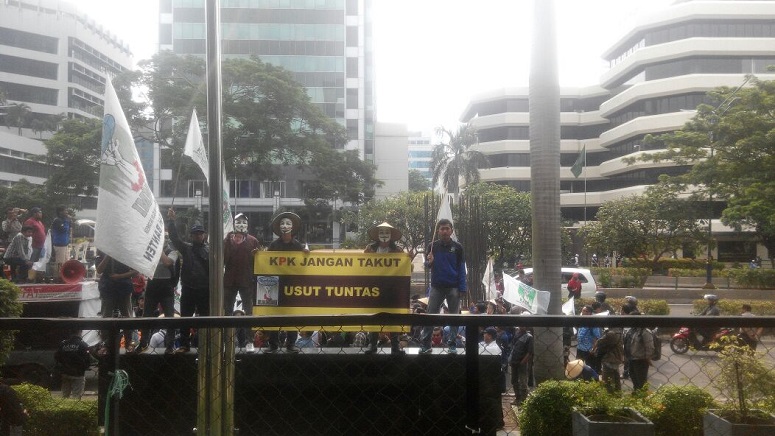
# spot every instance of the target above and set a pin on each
(659, 72)
(54, 61)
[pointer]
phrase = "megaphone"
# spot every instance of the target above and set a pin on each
(72, 271)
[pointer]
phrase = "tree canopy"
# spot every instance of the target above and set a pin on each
(731, 147)
(646, 226)
(418, 182)
(404, 211)
(508, 216)
(269, 121)
(74, 159)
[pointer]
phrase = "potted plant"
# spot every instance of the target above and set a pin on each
(600, 420)
(744, 379)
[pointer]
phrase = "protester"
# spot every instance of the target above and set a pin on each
(160, 293)
(194, 275)
(446, 260)
(115, 288)
(586, 338)
(600, 297)
(574, 287)
(521, 356)
(60, 236)
(638, 349)
(239, 248)
(73, 360)
(38, 234)
(577, 369)
(384, 240)
(18, 255)
(610, 352)
(11, 226)
(489, 344)
(285, 226)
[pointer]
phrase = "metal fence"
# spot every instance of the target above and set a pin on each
(331, 386)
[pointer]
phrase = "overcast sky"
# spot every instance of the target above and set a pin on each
(432, 56)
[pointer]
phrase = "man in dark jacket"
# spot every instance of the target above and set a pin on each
(194, 275)
(446, 260)
(73, 360)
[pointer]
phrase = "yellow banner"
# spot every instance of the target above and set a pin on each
(297, 283)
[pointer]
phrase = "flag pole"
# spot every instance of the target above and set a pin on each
(585, 183)
(177, 179)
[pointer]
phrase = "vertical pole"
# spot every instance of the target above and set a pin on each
(472, 378)
(210, 359)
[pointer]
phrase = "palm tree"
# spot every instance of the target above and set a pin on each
(17, 115)
(544, 102)
(455, 159)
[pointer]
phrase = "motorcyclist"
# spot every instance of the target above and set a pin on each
(710, 310)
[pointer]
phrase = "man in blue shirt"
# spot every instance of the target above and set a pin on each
(448, 279)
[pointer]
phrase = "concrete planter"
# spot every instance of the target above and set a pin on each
(715, 425)
(629, 423)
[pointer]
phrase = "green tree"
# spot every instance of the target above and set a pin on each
(404, 211)
(342, 175)
(646, 226)
(418, 182)
(728, 148)
(25, 195)
(74, 159)
(456, 159)
(507, 213)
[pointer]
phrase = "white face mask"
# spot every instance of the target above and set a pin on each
(241, 226)
(286, 225)
(383, 234)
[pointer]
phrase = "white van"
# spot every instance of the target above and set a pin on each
(588, 284)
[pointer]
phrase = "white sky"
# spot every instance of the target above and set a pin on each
(432, 56)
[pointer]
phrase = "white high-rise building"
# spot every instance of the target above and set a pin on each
(659, 72)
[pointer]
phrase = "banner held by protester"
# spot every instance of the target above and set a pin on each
(129, 226)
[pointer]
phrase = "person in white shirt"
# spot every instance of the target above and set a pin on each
(489, 345)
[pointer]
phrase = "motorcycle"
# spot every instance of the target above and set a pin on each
(686, 337)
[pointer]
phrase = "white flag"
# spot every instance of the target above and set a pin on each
(445, 211)
(195, 149)
(569, 307)
(45, 255)
(527, 297)
(488, 280)
(130, 227)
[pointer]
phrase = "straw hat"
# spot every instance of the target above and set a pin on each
(290, 215)
(395, 234)
(574, 368)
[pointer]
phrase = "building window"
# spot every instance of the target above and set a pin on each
(352, 98)
(352, 36)
(352, 68)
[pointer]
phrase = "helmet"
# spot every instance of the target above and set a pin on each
(631, 300)
(600, 296)
(711, 297)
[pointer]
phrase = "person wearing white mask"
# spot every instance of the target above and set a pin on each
(239, 248)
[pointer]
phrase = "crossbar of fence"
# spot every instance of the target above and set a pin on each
(475, 393)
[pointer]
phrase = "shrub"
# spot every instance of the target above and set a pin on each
(733, 307)
(677, 410)
(646, 307)
(61, 416)
(621, 277)
(547, 410)
(753, 277)
(10, 307)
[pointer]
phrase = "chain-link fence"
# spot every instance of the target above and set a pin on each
(332, 381)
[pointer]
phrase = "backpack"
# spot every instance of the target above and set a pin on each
(657, 354)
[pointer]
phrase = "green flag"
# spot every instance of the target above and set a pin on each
(581, 161)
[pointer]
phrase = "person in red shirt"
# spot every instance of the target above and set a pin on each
(38, 233)
(574, 286)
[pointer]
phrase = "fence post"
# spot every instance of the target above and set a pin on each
(472, 379)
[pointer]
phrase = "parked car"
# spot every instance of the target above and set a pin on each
(588, 284)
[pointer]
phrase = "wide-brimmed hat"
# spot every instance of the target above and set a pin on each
(574, 368)
(290, 215)
(395, 234)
